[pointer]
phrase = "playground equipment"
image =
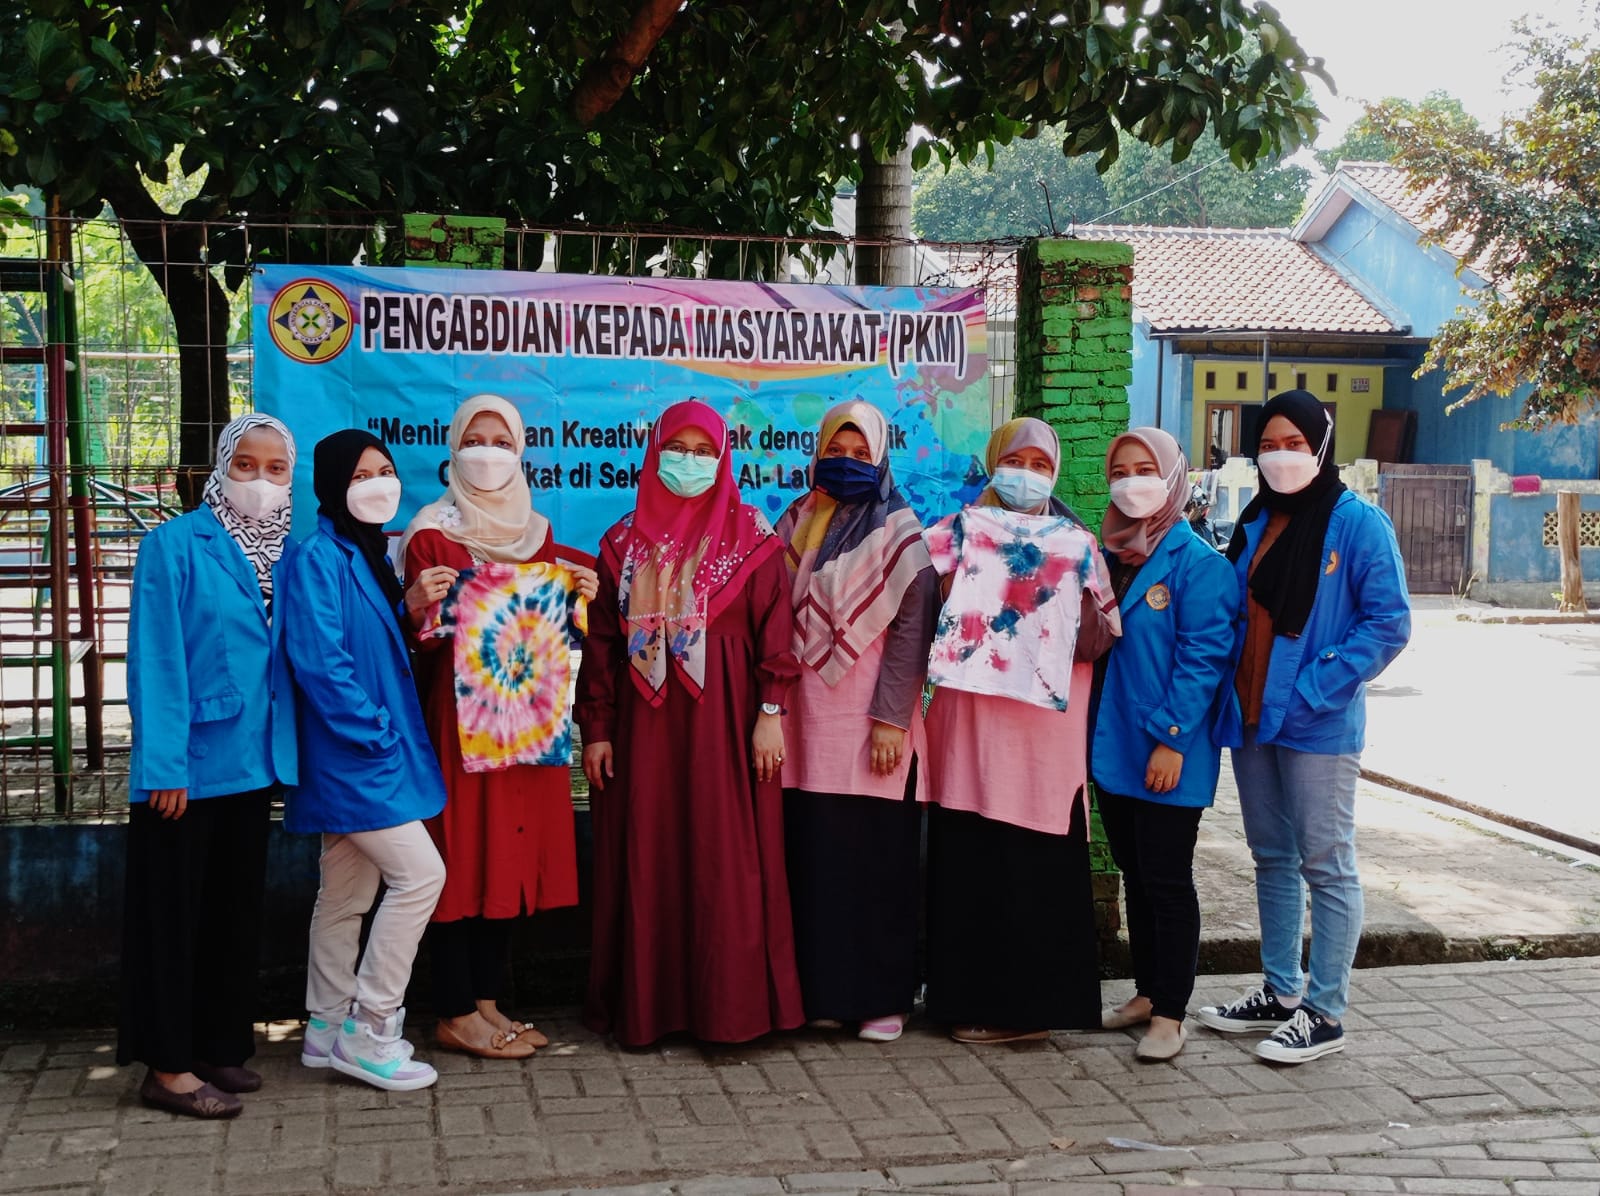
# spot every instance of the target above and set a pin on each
(63, 534)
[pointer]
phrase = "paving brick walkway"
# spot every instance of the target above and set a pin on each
(1459, 1079)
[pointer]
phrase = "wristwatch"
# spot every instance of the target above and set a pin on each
(771, 708)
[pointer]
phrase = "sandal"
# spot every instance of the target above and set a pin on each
(523, 1032)
(501, 1045)
(206, 1102)
(986, 1034)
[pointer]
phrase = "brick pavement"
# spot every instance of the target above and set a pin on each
(1459, 1079)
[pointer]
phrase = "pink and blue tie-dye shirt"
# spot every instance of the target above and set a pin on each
(1010, 623)
(514, 627)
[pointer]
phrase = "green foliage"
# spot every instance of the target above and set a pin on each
(981, 202)
(1144, 187)
(1525, 195)
(1364, 142)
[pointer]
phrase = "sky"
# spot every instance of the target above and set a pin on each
(1407, 48)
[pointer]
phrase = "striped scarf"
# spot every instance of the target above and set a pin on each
(261, 540)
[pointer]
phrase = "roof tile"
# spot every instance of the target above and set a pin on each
(1238, 280)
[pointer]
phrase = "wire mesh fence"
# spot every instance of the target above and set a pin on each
(94, 429)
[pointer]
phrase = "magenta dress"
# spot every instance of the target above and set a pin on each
(692, 928)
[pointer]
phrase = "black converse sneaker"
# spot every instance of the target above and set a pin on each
(1256, 1012)
(1305, 1036)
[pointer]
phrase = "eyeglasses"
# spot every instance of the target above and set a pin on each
(700, 450)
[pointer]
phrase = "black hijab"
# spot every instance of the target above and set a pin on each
(1285, 581)
(333, 462)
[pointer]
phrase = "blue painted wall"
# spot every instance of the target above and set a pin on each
(1142, 399)
(1380, 251)
(1517, 551)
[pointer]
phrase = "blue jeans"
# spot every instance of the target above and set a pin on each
(1300, 820)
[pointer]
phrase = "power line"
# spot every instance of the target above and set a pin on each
(1164, 187)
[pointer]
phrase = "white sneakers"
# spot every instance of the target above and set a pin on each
(381, 1058)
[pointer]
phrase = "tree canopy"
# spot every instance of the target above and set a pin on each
(1525, 194)
(696, 115)
(984, 201)
(1364, 142)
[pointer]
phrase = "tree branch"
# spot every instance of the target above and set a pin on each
(605, 78)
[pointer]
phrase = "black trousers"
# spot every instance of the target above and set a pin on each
(191, 932)
(1153, 845)
(469, 958)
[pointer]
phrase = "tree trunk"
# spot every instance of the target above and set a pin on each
(1568, 515)
(173, 253)
(883, 213)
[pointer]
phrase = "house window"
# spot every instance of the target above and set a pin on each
(1241, 380)
(1211, 379)
(1333, 383)
(1272, 380)
(1299, 381)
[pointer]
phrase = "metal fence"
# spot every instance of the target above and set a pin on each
(86, 472)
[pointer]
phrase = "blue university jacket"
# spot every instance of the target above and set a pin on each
(366, 762)
(1164, 675)
(208, 681)
(1316, 692)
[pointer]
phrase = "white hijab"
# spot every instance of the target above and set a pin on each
(494, 525)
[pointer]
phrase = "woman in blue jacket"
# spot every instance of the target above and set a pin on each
(213, 741)
(368, 776)
(1154, 763)
(1322, 611)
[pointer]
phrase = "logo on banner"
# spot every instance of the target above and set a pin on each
(310, 321)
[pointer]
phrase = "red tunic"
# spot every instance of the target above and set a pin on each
(692, 930)
(506, 837)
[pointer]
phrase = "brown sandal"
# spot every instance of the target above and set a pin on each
(501, 1045)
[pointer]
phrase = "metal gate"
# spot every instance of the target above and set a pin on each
(1431, 506)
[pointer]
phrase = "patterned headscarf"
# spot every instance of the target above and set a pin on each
(261, 540)
(1133, 540)
(1014, 436)
(851, 563)
(493, 525)
(680, 561)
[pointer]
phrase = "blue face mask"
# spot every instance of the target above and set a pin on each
(1021, 489)
(685, 474)
(846, 479)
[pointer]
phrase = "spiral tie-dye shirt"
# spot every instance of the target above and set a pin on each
(514, 627)
(1010, 624)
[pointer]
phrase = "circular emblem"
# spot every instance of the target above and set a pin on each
(310, 321)
(1158, 597)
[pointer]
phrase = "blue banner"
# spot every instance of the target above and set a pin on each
(591, 361)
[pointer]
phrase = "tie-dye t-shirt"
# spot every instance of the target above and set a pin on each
(514, 628)
(1010, 623)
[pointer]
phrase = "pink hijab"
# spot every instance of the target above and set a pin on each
(1133, 540)
(680, 561)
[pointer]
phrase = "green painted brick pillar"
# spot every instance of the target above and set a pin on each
(1074, 366)
(455, 242)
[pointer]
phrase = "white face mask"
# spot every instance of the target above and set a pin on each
(255, 499)
(1287, 471)
(1140, 497)
(373, 500)
(485, 467)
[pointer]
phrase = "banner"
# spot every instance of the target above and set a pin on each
(591, 361)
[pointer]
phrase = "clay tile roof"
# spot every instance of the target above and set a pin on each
(1390, 185)
(1257, 280)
